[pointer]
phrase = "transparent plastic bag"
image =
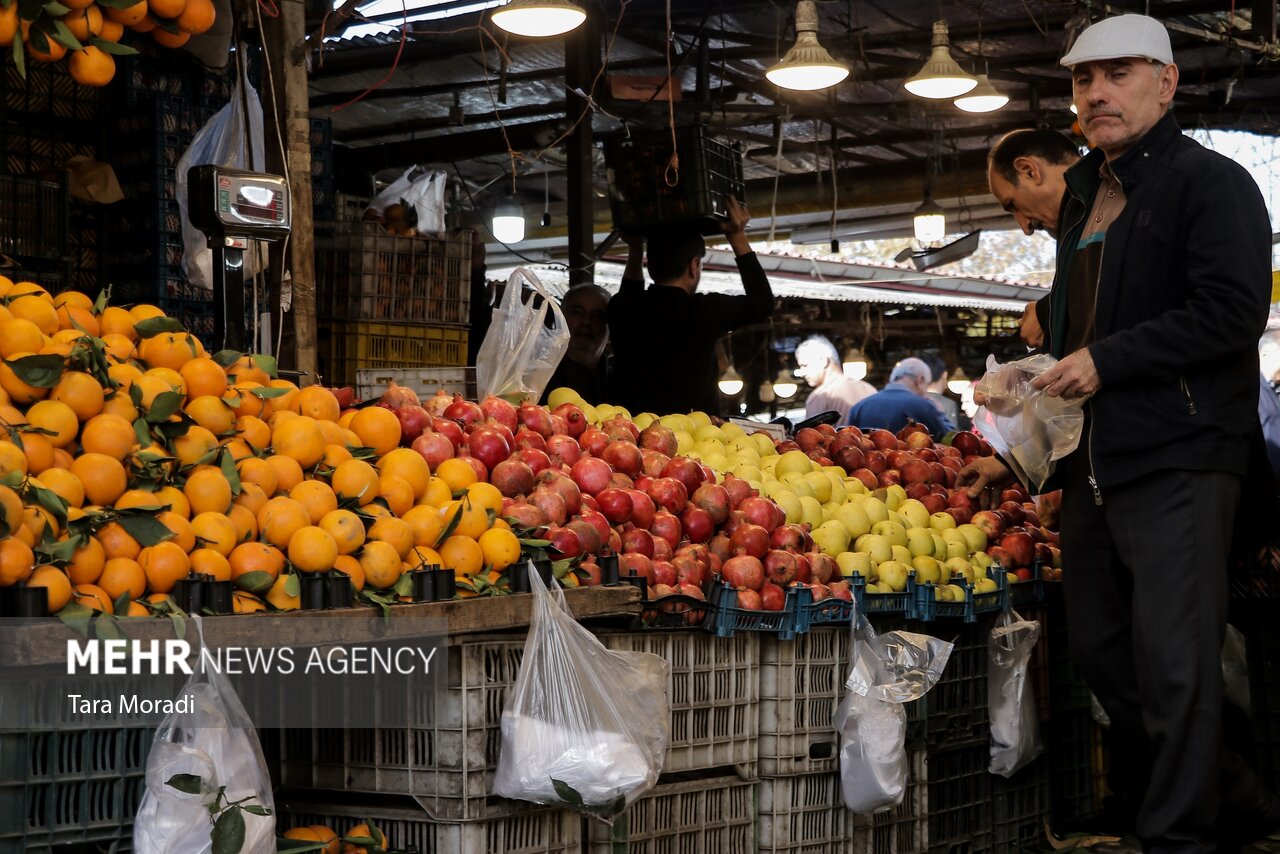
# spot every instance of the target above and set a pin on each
(585, 727)
(888, 670)
(1028, 429)
(421, 189)
(521, 351)
(224, 141)
(1015, 730)
(217, 743)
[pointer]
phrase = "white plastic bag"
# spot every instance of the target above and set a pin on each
(520, 351)
(420, 189)
(1015, 731)
(1028, 429)
(888, 670)
(216, 742)
(585, 727)
(223, 141)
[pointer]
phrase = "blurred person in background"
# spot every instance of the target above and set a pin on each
(938, 395)
(584, 367)
(818, 363)
(901, 402)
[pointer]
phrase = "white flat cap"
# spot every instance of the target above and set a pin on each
(1121, 37)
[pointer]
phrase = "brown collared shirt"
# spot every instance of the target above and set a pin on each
(1086, 266)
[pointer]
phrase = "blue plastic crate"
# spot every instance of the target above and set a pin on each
(900, 604)
(1026, 594)
(829, 611)
(929, 608)
(728, 618)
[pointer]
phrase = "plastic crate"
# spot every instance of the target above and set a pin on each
(707, 816)
(801, 684)
(408, 828)
(364, 273)
(642, 197)
(1020, 807)
(1038, 667)
(447, 763)
(954, 711)
(154, 181)
(74, 786)
(713, 690)
(828, 612)
(901, 604)
(1069, 746)
(1027, 594)
(33, 217)
(1069, 693)
(929, 607)
(347, 347)
(426, 382)
(905, 828)
(959, 799)
(48, 90)
(728, 618)
(805, 814)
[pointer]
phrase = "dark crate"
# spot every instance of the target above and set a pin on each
(364, 273)
(1069, 748)
(959, 799)
(48, 90)
(1020, 807)
(875, 605)
(829, 612)
(954, 711)
(728, 618)
(641, 193)
(929, 607)
(33, 217)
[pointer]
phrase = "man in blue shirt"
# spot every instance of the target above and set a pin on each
(902, 401)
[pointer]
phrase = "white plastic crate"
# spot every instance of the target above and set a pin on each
(805, 815)
(408, 828)
(713, 690)
(715, 815)
(801, 683)
(447, 763)
(372, 382)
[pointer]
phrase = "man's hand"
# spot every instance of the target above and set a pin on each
(983, 477)
(739, 216)
(634, 242)
(1029, 329)
(1074, 376)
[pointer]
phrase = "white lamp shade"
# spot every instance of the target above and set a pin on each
(855, 370)
(958, 386)
(807, 66)
(539, 18)
(508, 227)
(930, 223)
(730, 383)
(940, 77)
(785, 385)
(983, 98)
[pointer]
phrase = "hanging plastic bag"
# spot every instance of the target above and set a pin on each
(217, 743)
(521, 351)
(585, 727)
(223, 141)
(419, 189)
(1015, 731)
(1028, 429)
(888, 671)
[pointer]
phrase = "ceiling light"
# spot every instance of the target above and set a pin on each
(940, 77)
(958, 383)
(807, 66)
(855, 364)
(730, 383)
(983, 98)
(929, 221)
(539, 18)
(785, 385)
(508, 221)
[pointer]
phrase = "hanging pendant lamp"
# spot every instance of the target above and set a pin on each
(940, 77)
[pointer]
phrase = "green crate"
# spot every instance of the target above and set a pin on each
(345, 347)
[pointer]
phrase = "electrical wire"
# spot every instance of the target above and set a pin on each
(284, 159)
(671, 175)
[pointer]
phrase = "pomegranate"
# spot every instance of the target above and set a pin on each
(563, 484)
(655, 437)
(397, 396)
(791, 538)
(669, 493)
(575, 421)
(590, 539)
(850, 459)
(772, 597)
(413, 420)
(562, 448)
(633, 563)
(536, 418)
(624, 456)
(684, 470)
(666, 527)
(464, 412)
(524, 515)
(804, 571)
(642, 508)
(780, 567)
(714, 499)
(535, 459)
(739, 490)
(435, 448)
(721, 547)
(636, 541)
(662, 549)
(663, 574)
(526, 438)
(593, 440)
(867, 476)
(513, 477)
(591, 475)
(564, 542)
(596, 520)
(615, 504)
(841, 590)
(618, 427)
(751, 539)
(488, 446)
(551, 503)
(594, 577)
(697, 524)
(437, 403)
(749, 600)
(654, 462)
(621, 481)
(743, 571)
(559, 424)
(659, 591)
(820, 591)
(823, 567)
(450, 430)
(689, 570)
(762, 512)
(967, 443)
(499, 410)
(481, 470)
(736, 519)
(808, 439)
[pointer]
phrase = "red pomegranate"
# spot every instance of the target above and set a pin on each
(743, 571)
(501, 411)
(751, 539)
(513, 477)
(464, 412)
(666, 527)
(575, 421)
(714, 499)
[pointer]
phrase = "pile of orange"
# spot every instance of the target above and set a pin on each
(93, 32)
(121, 414)
(334, 845)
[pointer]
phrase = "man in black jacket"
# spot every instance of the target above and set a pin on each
(664, 338)
(1159, 332)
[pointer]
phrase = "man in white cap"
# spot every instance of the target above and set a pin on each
(1160, 295)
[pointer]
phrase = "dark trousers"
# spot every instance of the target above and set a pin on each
(1145, 583)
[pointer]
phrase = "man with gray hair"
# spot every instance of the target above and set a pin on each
(818, 362)
(901, 402)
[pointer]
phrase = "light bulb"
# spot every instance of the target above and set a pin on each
(930, 223)
(940, 77)
(785, 385)
(807, 65)
(984, 98)
(508, 222)
(730, 383)
(539, 18)
(855, 364)
(958, 383)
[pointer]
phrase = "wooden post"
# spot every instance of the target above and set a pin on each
(286, 106)
(582, 59)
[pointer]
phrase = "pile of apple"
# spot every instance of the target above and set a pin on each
(595, 481)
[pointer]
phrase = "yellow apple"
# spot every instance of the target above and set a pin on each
(852, 563)
(974, 536)
(985, 585)
(960, 569)
(902, 554)
(811, 511)
(892, 574)
(854, 486)
(854, 519)
(916, 514)
(920, 541)
(875, 509)
(894, 532)
(708, 432)
(876, 546)
(928, 570)
(764, 445)
(820, 485)
(831, 538)
(942, 521)
(794, 462)
(732, 431)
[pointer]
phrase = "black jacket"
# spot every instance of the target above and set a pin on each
(1182, 299)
